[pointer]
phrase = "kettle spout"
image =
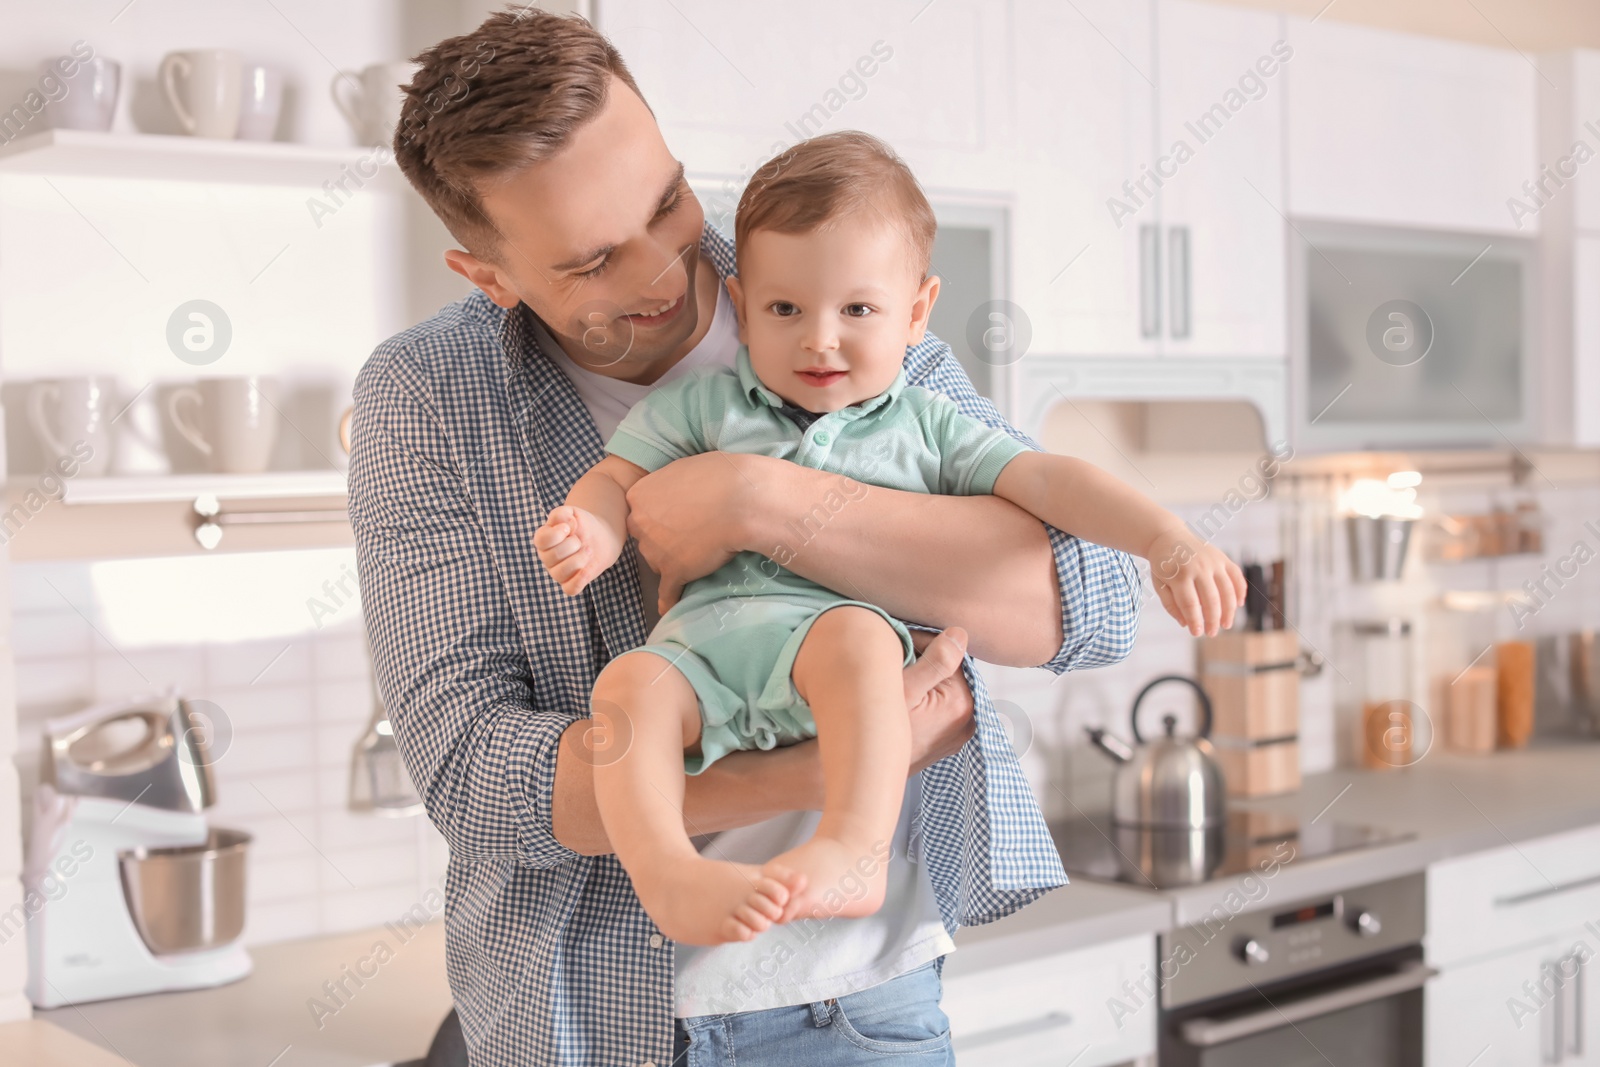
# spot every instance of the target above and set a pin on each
(1110, 744)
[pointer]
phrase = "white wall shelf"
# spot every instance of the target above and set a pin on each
(79, 153)
(273, 485)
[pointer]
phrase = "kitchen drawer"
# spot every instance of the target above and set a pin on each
(1049, 1011)
(1506, 897)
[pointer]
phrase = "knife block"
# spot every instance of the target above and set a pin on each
(1253, 680)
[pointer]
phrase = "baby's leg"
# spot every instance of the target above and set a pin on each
(848, 672)
(638, 783)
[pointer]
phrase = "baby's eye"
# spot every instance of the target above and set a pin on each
(858, 311)
(783, 309)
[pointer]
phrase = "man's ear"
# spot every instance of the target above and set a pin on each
(736, 294)
(485, 276)
(921, 308)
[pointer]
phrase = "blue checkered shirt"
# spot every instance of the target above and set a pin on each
(464, 437)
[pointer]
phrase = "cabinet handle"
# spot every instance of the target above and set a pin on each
(1150, 281)
(1205, 1032)
(1051, 1021)
(1178, 265)
(1572, 1013)
(1550, 1029)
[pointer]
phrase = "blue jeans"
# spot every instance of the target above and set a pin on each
(899, 1019)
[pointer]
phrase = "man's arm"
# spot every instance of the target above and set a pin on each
(1027, 593)
(745, 787)
(450, 663)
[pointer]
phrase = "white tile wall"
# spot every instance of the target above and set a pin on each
(1066, 772)
(291, 709)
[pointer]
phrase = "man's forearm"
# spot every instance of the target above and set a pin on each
(737, 790)
(978, 562)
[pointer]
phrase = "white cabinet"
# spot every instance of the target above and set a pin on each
(1221, 74)
(1150, 178)
(1085, 98)
(1391, 128)
(1514, 935)
(734, 83)
(1483, 1013)
(1075, 1008)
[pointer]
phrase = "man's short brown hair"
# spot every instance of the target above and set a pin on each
(816, 181)
(509, 94)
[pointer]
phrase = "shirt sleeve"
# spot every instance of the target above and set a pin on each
(670, 423)
(449, 664)
(1100, 587)
(971, 455)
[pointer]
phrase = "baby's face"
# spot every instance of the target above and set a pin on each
(827, 315)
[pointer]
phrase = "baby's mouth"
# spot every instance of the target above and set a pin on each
(821, 376)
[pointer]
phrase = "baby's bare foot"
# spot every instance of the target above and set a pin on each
(841, 878)
(708, 902)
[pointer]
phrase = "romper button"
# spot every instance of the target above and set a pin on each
(821, 437)
(655, 940)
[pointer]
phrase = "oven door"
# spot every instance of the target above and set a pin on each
(1366, 1016)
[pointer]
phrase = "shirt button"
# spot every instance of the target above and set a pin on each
(656, 940)
(821, 437)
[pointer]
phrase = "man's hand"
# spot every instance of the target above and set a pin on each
(937, 697)
(575, 547)
(691, 516)
(1198, 585)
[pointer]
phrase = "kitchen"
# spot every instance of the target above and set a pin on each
(1319, 277)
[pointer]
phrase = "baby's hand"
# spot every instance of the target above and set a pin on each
(575, 547)
(1198, 585)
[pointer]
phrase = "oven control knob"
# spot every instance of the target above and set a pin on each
(1251, 951)
(1366, 924)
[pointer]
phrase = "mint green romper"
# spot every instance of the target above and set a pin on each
(735, 633)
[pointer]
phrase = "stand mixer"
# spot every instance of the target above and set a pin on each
(128, 889)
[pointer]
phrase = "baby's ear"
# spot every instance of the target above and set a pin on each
(736, 294)
(921, 308)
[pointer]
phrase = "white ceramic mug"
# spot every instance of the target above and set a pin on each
(203, 86)
(89, 101)
(72, 413)
(236, 424)
(261, 103)
(370, 99)
(139, 447)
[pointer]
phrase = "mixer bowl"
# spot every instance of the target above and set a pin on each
(188, 898)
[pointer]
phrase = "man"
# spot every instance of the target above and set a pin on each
(597, 280)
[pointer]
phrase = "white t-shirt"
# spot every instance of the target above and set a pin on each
(802, 961)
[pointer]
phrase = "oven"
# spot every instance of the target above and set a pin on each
(1335, 979)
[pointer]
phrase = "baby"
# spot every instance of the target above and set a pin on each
(834, 238)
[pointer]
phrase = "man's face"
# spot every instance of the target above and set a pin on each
(601, 242)
(827, 315)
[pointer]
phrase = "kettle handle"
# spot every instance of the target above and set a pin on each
(1205, 704)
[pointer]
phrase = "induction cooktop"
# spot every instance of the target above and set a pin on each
(1092, 847)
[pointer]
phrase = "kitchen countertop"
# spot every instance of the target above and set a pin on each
(268, 1018)
(1448, 804)
(1451, 805)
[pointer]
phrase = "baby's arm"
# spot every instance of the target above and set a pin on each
(585, 535)
(1198, 585)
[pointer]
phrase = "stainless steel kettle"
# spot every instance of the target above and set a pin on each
(1171, 782)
